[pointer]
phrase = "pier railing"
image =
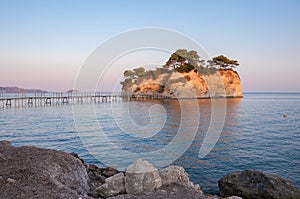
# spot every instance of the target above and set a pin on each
(47, 99)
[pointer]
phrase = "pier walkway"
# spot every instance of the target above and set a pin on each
(16, 100)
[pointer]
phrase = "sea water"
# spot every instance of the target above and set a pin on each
(254, 136)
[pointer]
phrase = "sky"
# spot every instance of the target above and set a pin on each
(44, 44)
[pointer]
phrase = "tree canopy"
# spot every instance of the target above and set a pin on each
(128, 73)
(223, 62)
(182, 61)
(139, 71)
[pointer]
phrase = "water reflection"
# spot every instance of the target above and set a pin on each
(255, 135)
(175, 117)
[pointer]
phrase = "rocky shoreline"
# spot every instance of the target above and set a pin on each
(31, 172)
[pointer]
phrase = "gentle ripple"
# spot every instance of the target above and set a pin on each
(255, 135)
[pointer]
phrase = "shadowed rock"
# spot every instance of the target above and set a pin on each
(254, 184)
(31, 172)
(96, 179)
(109, 171)
(113, 186)
(77, 156)
(171, 191)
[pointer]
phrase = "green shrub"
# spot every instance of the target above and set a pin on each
(206, 70)
(126, 82)
(185, 68)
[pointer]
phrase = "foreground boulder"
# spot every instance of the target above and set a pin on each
(143, 181)
(97, 176)
(254, 184)
(31, 172)
(113, 186)
(141, 177)
(109, 172)
(177, 190)
(173, 174)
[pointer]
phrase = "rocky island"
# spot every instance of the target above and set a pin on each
(186, 75)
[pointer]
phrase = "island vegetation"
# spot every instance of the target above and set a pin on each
(181, 61)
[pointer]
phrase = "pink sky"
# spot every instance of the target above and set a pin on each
(44, 44)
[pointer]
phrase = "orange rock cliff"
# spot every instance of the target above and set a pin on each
(223, 83)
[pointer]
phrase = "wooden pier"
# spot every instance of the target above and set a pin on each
(9, 100)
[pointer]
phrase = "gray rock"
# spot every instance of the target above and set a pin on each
(141, 177)
(96, 179)
(75, 155)
(41, 173)
(110, 171)
(170, 191)
(173, 174)
(255, 184)
(113, 186)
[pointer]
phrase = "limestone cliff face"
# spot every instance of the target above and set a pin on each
(224, 83)
(232, 83)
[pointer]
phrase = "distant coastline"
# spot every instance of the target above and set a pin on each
(20, 90)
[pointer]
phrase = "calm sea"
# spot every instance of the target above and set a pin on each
(255, 134)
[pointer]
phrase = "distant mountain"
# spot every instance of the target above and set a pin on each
(20, 90)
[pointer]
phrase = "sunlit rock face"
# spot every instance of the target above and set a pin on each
(224, 83)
